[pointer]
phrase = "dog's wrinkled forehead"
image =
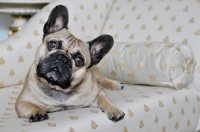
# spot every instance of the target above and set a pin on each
(68, 40)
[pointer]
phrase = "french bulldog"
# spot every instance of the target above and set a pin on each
(63, 74)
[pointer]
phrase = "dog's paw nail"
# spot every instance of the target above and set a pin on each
(46, 117)
(30, 120)
(113, 118)
(121, 117)
(102, 110)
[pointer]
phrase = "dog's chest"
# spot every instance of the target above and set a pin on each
(56, 95)
(57, 100)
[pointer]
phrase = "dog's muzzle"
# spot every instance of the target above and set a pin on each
(56, 69)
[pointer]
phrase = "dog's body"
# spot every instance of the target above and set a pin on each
(63, 75)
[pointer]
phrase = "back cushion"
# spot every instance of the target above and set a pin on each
(175, 21)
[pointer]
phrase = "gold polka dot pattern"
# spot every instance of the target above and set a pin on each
(150, 63)
(157, 21)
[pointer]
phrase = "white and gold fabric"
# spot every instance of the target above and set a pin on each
(173, 21)
(156, 44)
(150, 63)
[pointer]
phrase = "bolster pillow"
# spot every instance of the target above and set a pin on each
(158, 64)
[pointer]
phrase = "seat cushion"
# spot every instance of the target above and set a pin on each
(152, 109)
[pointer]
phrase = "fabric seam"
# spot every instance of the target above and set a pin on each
(104, 23)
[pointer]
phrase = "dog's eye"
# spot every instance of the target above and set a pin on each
(51, 45)
(79, 61)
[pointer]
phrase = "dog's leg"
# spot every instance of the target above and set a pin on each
(106, 82)
(113, 113)
(31, 111)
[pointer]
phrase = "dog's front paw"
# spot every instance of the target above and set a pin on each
(117, 85)
(30, 111)
(38, 117)
(112, 84)
(115, 114)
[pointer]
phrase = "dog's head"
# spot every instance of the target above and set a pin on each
(62, 60)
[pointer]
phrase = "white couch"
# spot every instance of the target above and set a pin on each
(147, 108)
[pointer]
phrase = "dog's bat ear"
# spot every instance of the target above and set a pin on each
(58, 19)
(99, 47)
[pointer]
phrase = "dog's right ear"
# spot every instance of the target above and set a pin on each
(58, 19)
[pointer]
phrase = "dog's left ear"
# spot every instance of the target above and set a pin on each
(99, 47)
(58, 19)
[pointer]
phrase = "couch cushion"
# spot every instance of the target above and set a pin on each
(150, 63)
(153, 109)
(158, 21)
(17, 52)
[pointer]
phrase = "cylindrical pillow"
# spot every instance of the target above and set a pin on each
(159, 64)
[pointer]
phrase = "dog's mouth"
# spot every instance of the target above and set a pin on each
(56, 70)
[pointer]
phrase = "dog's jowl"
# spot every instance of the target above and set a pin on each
(64, 75)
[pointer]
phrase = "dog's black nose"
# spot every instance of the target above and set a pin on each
(62, 58)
